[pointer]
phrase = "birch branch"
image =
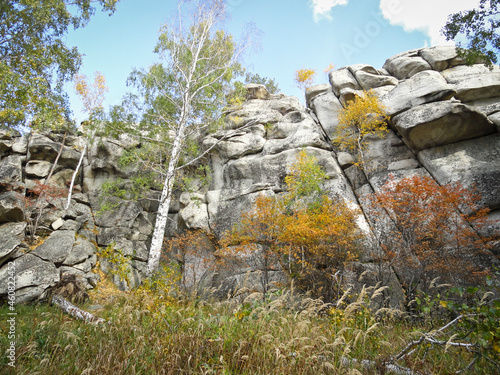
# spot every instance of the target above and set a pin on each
(76, 312)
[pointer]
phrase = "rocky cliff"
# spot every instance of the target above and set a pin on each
(444, 120)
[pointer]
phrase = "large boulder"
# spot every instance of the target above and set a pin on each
(327, 107)
(57, 247)
(474, 82)
(12, 235)
(263, 112)
(82, 250)
(370, 78)
(32, 275)
(247, 141)
(256, 91)
(42, 147)
(424, 87)
(195, 212)
(441, 123)
(11, 207)
(441, 57)
(406, 64)
(304, 133)
(344, 84)
(11, 171)
(314, 91)
(38, 168)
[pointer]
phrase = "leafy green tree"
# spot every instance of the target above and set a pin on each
(238, 95)
(479, 26)
(180, 99)
(34, 59)
(270, 83)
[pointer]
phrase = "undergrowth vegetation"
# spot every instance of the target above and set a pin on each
(284, 333)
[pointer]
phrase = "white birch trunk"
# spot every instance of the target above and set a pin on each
(74, 177)
(166, 197)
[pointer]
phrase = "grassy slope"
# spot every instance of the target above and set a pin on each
(151, 335)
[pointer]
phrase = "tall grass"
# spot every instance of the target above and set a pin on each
(284, 334)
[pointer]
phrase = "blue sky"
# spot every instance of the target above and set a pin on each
(295, 34)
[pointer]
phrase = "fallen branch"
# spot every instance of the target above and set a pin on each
(388, 366)
(74, 311)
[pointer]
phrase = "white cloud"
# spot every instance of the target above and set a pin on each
(428, 16)
(322, 8)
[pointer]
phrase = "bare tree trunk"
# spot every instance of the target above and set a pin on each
(40, 199)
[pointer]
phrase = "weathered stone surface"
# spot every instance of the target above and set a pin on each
(56, 247)
(11, 235)
(435, 124)
(11, 207)
(32, 275)
(7, 139)
(263, 111)
(473, 162)
(9, 134)
(314, 91)
(195, 214)
(441, 57)
(105, 155)
(43, 148)
(38, 168)
(382, 152)
(11, 171)
(255, 91)
(123, 214)
(474, 82)
(307, 133)
(424, 87)
(345, 159)
(20, 145)
(403, 164)
(405, 65)
(355, 176)
(244, 142)
(62, 179)
(343, 81)
(326, 107)
(369, 78)
(82, 250)
(495, 118)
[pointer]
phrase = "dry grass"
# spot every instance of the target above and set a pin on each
(285, 334)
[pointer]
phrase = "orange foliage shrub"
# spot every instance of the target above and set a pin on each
(433, 234)
(310, 235)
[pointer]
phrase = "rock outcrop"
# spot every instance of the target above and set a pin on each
(444, 118)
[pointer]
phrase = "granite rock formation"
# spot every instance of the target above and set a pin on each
(444, 122)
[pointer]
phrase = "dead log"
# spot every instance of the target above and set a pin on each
(76, 312)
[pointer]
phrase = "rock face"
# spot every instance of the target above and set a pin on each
(444, 118)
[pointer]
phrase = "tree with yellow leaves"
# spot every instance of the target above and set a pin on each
(363, 116)
(309, 234)
(304, 78)
(92, 96)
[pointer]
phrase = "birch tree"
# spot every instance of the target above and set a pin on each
(181, 98)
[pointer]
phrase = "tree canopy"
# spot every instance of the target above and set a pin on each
(181, 98)
(479, 26)
(34, 59)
